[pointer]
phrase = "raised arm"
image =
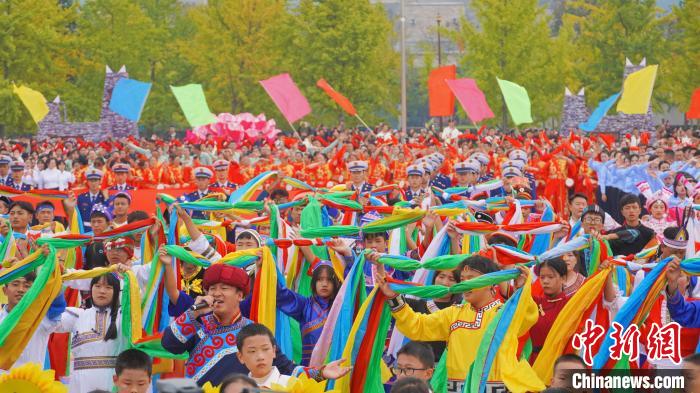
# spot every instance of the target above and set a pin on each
(415, 326)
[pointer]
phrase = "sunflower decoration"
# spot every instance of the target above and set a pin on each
(209, 388)
(30, 378)
(303, 384)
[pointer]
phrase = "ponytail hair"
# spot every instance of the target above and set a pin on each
(111, 280)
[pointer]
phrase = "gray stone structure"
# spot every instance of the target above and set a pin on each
(110, 125)
(575, 111)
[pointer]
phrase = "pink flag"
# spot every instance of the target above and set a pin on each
(287, 97)
(472, 99)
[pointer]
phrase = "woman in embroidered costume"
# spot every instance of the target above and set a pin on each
(462, 326)
(97, 338)
(311, 312)
(657, 206)
(557, 171)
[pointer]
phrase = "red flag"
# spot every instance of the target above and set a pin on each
(440, 98)
(516, 144)
(337, 97)
(608, 139)
(694, 109)
(287, 97)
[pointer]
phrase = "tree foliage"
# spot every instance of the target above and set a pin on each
(680, 67)
(602, 34)
(36, 49)
(348, 43)
(61, 48)
(511, 40)
(235, 45)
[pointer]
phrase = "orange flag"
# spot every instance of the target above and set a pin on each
(441, 100)
(694, 110)
(337, 97)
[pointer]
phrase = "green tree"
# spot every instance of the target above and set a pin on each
(348, 43)
(114, 33)
(166, 64)
(604, 33)
(511, 40)
(680, 68)
(235, 45)
(35, 47)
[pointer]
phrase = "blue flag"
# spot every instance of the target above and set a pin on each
(599, 113)
(129, 97)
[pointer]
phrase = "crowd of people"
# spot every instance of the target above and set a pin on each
(409, 224)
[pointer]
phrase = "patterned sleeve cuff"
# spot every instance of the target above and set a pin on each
(183, 327)
(311, 372)
(396, 303)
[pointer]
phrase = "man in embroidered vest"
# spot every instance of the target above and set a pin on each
(209, 333)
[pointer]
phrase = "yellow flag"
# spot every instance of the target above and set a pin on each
(33, 100)
(636, 91)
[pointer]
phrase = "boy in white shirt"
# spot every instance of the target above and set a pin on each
(256, 351)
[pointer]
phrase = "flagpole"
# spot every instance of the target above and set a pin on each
(293, 129)
(363, 122)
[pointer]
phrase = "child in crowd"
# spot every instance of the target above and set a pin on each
(410, 385)
(35, 351)
(415, 359)
(132, 372)
(236, 383)
(256, 350)
(564, 367)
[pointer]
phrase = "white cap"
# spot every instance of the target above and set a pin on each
(481, 157)
(470, 165)
(414, 170)
(201, 171)
(518, 154)
(357, 166)
(513, 163)
(511, 171)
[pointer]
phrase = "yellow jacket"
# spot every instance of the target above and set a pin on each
(461, 326)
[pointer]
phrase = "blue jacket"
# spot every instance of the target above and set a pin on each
(310, 312)
(193, 197)
(686, 313)
(228, 184)
(441, 181)
(21, 187)
(85, 205)
(212, 348)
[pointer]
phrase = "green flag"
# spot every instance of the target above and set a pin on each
(194, 104)
(517, 101)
